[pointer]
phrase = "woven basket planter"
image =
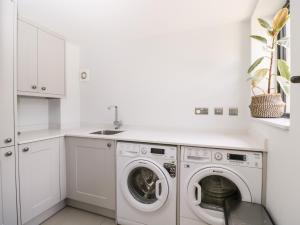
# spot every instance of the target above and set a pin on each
(267, 106)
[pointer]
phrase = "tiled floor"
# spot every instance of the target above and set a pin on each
(71, 216)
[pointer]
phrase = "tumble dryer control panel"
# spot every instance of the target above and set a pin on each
(221, 156)
(193, 154)
(237, 158)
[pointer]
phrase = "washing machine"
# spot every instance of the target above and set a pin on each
(146, 184)
(209, 177)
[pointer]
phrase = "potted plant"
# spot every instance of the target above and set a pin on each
(270, 104)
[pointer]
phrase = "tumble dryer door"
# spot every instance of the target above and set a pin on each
(144, 185)
(208, 189)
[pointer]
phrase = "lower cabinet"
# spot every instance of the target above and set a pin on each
(8, 201)
(91, 171)
(39, 172)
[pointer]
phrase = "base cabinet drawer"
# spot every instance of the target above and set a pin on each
(39, 174)
(91, 171)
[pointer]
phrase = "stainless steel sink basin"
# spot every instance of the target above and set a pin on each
(107, 132)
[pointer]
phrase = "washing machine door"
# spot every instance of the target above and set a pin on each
(208, 189)
(144, 185)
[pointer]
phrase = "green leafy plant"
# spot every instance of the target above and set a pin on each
(270, 42)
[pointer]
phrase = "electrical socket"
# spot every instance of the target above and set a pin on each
(233, 111)
(201, 111)
(219, 111)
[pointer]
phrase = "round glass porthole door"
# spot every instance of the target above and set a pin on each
(144, 185)
(216, 190)
(209, 188)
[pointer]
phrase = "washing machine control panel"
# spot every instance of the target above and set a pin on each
(158, 151)
(129, 149)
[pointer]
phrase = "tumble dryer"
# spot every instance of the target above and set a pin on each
(209, 177)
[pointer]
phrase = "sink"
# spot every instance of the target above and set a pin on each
(107, 132)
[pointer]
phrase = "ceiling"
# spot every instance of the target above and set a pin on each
(81, 20)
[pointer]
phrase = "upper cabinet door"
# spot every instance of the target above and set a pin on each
(27, 57)
(51, 64)
(7, 21)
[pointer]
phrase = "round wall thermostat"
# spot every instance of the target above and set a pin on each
(84, 75)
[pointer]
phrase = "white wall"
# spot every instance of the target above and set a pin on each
(156, 59)
(158, 80)
(32, 113)
(283, 183)
(70, 106)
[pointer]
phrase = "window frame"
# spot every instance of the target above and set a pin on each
(281, 54)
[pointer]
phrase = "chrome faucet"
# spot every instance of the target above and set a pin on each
(117, 123)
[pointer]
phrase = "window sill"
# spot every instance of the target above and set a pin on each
(281, 123)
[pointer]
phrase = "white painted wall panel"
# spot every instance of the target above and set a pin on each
(157, 81)
(70, 105)
(32, 113)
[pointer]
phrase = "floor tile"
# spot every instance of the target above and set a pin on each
(71, 216)
(108, 222)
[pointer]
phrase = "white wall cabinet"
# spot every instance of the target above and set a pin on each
(7, 18)
(91, 171)
(41, 62)
(8, 201)
(39, 168)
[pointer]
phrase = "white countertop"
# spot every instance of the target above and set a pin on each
(223, 140)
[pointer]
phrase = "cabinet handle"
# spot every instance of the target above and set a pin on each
(7, 140)
(44, 88)
(33, 87)
(25, 149)
(7, 154)
(108, 145)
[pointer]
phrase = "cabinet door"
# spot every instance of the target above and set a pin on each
(8, 207)
(51, 64)
(91, 171)
(27, 58)
(7, 18)
(39, 177)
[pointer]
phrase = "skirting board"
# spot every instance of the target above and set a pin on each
(91, 208)
(47, 214)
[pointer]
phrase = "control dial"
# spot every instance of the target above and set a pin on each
(144, 151)
(218, 156)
